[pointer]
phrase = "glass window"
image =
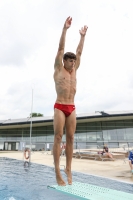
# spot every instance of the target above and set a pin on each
(91, 132)
(38, 134)
(105, 136)
(112, 134)
(129, 134)
(130, 145)
(50, 134)
(3, 134)
(121, 135)
(129, 129)
(12, 134)
(19, 135)
(80, 134)
(33, 135)
(80, 137)
(26, 135)
(75, 137)
(128, 123)
(99, 133)
(81, 128)
(105, 132)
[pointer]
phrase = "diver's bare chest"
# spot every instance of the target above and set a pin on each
(66, 79)
(67, 76)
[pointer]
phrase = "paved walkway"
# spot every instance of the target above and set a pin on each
(117, 170)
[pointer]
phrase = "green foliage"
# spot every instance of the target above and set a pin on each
(36, 115)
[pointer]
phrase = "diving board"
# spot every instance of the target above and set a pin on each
(91, 192)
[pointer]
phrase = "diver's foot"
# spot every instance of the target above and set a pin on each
(60, 180)
(69, 176)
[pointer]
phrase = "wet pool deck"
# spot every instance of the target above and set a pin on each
(116, 170)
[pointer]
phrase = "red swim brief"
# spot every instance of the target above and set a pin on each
(66, 109)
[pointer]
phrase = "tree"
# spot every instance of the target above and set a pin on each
(36, 115)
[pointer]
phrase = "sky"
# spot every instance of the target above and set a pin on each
(29, 36)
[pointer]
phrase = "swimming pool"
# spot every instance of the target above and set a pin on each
(19, 182)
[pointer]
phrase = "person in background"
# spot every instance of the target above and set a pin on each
(131, 161)
(106, 152)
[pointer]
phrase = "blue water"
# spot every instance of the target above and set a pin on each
(19, 182)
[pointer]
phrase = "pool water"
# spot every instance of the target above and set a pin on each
(29, 182)
(19, 182)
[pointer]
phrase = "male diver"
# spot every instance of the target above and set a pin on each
(65, 68)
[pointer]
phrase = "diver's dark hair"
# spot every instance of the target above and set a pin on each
(69, 55)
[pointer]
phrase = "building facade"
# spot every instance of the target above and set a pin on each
(112, 128)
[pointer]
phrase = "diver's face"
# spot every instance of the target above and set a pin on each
(69, 63)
